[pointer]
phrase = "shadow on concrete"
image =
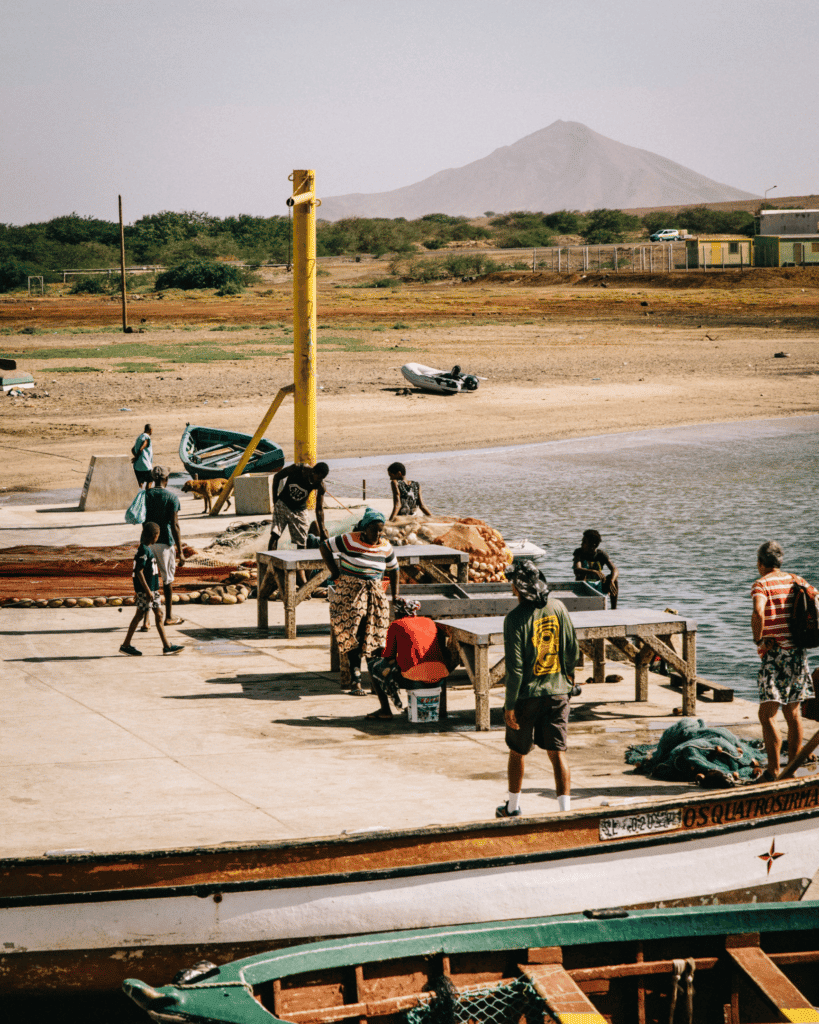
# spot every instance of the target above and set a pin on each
(69, 657)
(58, 632)
(270, 686)
(399, 724)
(253, 633)
(71, 508)
(612, 789)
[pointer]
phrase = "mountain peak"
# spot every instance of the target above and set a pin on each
(565, 165)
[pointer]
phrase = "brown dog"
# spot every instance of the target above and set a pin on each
(207, 490)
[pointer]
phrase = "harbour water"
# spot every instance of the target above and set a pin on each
(681, 511)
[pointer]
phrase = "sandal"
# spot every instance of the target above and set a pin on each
(174, 622)
(144, 629)
(357, 691)
(378, 716)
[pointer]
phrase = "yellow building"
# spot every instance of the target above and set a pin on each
(707, 251)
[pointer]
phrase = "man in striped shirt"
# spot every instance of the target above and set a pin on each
(783, 675)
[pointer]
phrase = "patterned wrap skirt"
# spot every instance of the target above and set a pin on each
(354, 602)
(784, 675)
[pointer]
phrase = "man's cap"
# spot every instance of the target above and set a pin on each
(529, 581)
(160, 473)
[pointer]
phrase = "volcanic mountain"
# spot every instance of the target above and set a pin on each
(566, 166)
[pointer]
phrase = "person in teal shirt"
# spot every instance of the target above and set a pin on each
(541, 655)
(142, 456)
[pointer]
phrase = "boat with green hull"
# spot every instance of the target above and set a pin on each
(704, 964)
(209, 453)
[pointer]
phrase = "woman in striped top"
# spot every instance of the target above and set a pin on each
(783, 674)
(359, 610)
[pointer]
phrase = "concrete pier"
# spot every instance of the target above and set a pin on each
(247, 737)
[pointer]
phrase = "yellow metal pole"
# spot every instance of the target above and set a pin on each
(224, 494)
(304, 202)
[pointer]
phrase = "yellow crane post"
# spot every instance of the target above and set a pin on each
(305, 447)
(304, 203)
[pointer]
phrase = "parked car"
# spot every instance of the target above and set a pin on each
(666, 235)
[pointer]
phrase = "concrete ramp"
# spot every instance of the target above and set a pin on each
(110, 483)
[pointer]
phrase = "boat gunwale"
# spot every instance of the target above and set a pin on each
(205, 889)
(354, 838)
(526, 933)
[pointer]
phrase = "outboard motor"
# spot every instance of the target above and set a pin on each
(470, 382)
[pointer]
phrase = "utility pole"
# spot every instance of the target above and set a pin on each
(122, 269)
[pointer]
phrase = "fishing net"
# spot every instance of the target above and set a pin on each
(488, 554)
(690, 752)
(514, 1002)
(73, 570)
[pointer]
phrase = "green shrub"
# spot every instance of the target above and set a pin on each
(202, 274)
(606, 227)
(89, 286)
(13, 274)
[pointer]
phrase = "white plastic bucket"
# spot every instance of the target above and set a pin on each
(424, 704)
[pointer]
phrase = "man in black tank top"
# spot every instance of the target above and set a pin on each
(292, 487)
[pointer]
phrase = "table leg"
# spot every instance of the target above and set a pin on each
(481, 685)
(599, 660)
(690, 685)
(641, 663)
(261, 601)
(289, 597)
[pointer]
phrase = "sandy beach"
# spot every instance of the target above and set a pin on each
(558, 361)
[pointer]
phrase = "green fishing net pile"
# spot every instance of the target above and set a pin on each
(689, 751)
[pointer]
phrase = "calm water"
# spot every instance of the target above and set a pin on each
(681, 512)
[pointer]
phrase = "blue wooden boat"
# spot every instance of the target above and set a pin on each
(737, 964)
(208, 453)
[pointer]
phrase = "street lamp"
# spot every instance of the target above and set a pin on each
(767, 190)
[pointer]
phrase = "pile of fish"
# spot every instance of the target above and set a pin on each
(488, 554)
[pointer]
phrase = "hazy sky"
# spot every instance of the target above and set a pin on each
(208, 106)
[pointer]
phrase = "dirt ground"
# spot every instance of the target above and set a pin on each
(561, 358)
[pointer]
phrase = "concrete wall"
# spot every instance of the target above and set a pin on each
(110, 483)
(789, 222)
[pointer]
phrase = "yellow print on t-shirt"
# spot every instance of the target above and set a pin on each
(546, 638)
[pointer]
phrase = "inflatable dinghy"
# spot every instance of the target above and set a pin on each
(441, 382)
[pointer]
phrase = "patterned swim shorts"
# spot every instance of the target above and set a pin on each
(296, 522)
(147, 601)
(784, 675)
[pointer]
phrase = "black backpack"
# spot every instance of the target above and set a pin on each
(804, 620)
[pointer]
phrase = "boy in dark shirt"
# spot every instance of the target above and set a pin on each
(146, 588)
(589, 562)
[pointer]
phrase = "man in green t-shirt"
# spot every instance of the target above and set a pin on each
(162, 508)
(541, 655)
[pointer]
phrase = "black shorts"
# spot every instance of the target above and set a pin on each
(144, 476)
(543, 722)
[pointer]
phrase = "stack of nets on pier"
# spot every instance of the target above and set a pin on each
(689, 751)
(75, 575)
(488, 553)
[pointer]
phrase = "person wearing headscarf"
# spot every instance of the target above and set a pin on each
(414, 657)
(541, 655)
(359, 610)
